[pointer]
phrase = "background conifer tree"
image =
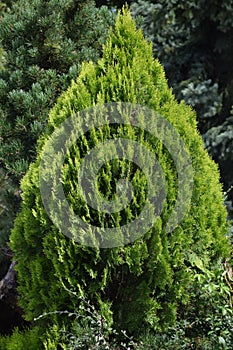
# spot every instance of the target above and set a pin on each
(42, 45)
(144, 283)
(45, 43)
(195, 46)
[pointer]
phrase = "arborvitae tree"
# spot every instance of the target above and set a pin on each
(141, 284)
(193, 40)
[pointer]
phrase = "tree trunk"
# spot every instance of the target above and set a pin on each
(8, 291)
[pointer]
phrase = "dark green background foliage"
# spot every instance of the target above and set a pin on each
(194, 42)
(43, 44)
(8, 206)
(146, 282)
(112, 4)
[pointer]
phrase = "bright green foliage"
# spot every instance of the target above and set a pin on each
(29, 339)
(143, 283)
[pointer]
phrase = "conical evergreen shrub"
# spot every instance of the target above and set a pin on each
(142, 283)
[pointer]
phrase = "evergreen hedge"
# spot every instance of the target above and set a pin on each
(144, 283)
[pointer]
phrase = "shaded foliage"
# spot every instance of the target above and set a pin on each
(42, 46)
(196, 46)
(44, 43)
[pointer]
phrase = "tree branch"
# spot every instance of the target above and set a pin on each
(8, 290)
